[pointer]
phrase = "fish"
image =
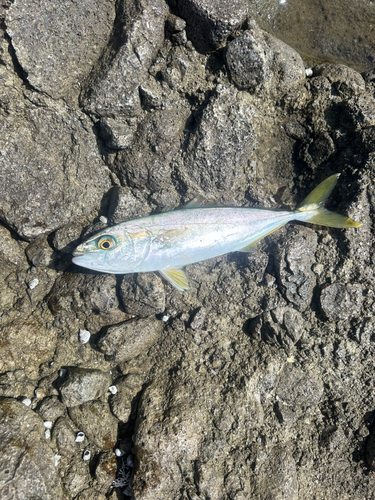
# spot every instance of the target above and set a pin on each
(168, 241)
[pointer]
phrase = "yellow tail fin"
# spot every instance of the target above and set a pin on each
(322, 216)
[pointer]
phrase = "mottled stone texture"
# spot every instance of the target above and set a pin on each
(257, 383)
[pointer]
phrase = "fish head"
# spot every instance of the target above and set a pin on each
(107, 252)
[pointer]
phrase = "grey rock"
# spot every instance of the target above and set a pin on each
(92, 299)
(51, 408)
(77, 479)
(10, 249)
(117, 134)
(105, 471)
(341, 301)
(84, 385)
(249, 59)
(127, 389)
(40, 254)
(220, 147)
(257, 60)
(282, 325)
(113, 89)
(63, 436)
(26, 461)
(209, 22)
(127, 340)
(90, 493)
(95, 419)
(36, 32)
(125, 206)
(346, 80)
(294, 265)
(148, 163)
(278, 476)
(142, 294)
(66, 239)
(65, 178)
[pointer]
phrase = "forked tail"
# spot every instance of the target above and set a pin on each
(314, 201)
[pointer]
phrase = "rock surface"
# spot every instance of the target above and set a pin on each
(258, 381)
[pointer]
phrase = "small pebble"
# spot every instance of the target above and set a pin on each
(112, 389)
(84, 336)
(309, 72)
(165, 318)
(62, 372)
(39, 393)
(26, 401)
(119, 452)
(48, 424)
(47, 434)
(86, 455)
(33, 283)
(57, 459)
(80, 437)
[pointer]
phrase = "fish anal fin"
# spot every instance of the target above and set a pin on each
(176, 277)
(251, 247)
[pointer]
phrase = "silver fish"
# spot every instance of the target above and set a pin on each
(168, 241)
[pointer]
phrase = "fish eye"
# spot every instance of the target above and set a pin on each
(106, 242)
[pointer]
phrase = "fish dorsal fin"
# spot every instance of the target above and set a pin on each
(176, 277)
(200, 201)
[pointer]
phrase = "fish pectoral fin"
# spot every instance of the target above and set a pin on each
(176, 277)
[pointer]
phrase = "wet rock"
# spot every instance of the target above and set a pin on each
(341, 301)
(36, 32)
(142, 294)
(346, 80)
(127, 340)
(113, 89)
(294, 265)
(26, 461)
(84, 385)
(65, 178)
(359, 112)
(95, 419)
(209, 23)
(219, 148)
(127, 389)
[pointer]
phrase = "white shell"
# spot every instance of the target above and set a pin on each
(57, 459)
(86, 455)
(165, 318)
(33, 283)
(39, 393)
(119, 452)
(48, 424)
(80, 436)
(84, 336)
(26, 401)
(309, 72)
(62, 372)
(112, 389)
(103, 219)
(47, 433)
